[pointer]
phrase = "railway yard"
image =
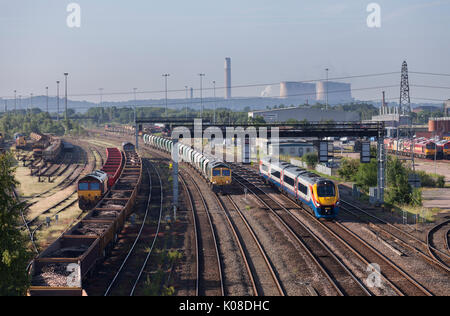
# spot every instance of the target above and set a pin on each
(250, 241)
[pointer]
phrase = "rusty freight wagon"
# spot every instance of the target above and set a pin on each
(62, 267)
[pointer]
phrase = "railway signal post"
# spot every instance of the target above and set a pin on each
(175, 177)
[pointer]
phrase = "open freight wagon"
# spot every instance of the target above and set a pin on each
(62, 267)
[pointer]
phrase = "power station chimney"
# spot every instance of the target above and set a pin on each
(228, 78)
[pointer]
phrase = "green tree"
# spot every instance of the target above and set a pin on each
(311, 160)
(349, 169)
(14, 255)
(366, 176)
(399, 191)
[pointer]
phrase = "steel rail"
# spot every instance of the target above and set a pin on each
(119, 271)
(156, 234)
(191, 203)
(212, 236)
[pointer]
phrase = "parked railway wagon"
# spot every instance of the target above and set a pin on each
(52, 152)
(216, 173)
(422, 148)
(317, 194)
(95, 185)
(63, 267)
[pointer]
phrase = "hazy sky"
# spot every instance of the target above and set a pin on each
(125, 44)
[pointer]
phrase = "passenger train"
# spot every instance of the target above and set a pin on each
(319, 195)
(216, 172)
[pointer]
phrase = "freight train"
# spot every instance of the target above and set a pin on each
(421, 147)
(62, 268)
(443, 148)
(215, 172)
(20, 140)
(92, 187)
(317, 194)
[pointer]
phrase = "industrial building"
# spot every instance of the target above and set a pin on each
(335, 92)
(302, 92)
(309, 114)
(439, 126)
(293, 149)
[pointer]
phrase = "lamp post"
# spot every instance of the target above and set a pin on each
(186, 88)
(100, 106)
(214, 84)
(326, 107)
(201, 93)
(165, 80)
(135, 118)
(65, 75)
(31, 103)
(15, 101)
(57, 101)
(46, 92)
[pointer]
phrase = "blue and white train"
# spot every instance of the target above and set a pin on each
(317, 194)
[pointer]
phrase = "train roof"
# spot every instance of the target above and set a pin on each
(295, 171)
(98, 175)
(218, 164)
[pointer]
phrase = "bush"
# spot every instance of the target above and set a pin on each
(426, 179)
(311, 160)
(399, 191)
(366, 176)
(416, 198)
(349, 168)
(440, 182)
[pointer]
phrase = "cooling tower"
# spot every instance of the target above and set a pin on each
(298, 90)
(227, 78)
(338, 92)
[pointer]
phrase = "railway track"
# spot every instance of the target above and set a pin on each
(264, 280)
(448, 240)
(210, 279)
(121, 282)
(22, 215)
(196, 233)
(401, 282)
(75, 177)
(69, 179)
(333, 269)
(435, 253)
(424, 249)
(55, 168)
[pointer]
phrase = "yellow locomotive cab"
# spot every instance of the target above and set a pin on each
(327, 193)
(91, 189)
(221, 176)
